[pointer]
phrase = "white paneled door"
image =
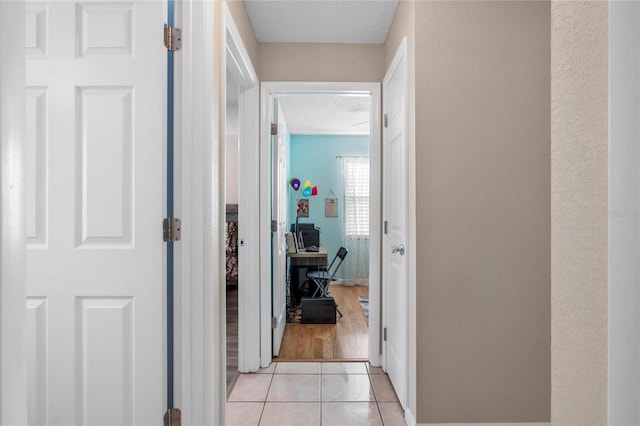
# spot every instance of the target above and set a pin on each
(279, 208)
(395, 215)
(95, 182)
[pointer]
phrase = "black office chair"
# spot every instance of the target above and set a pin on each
(322, 278)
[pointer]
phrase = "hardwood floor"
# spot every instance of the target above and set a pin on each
(348, 339)
(232, 336)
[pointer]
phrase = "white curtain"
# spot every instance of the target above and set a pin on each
(355, 178)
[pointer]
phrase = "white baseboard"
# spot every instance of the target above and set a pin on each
(409, 418)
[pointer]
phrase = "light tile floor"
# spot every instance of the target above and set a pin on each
(314, 394)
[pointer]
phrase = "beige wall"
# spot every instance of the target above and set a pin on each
(487, 220)
(241, 19)
(308, 62)
(579, 151)
(403, 25)
(483, 211)
(320, 62)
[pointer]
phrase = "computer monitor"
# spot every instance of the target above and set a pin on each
(308, 233)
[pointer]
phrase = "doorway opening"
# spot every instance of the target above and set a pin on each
(339, 190)
(231, 229)
(327, 145)
(240, 225)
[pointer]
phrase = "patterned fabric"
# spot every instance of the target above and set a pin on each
(231, 239)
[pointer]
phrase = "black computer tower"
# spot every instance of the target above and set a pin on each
(298, 277)
(318, 310)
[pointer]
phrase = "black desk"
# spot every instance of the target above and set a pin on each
(299, 264)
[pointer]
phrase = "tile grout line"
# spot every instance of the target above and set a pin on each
(264, 403)
(322, 373)
(321, 399)
(375, 396)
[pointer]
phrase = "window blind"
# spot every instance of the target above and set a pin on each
(355, 176)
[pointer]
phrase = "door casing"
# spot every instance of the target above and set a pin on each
(211, 44)
(274, 89)
(238, 63)
(199, 339)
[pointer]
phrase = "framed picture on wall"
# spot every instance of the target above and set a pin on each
(303, 207)
(331, 207)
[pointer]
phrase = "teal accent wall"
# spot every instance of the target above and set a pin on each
(314, 158)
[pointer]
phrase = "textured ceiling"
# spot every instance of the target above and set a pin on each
(321, 21)
(326, 114)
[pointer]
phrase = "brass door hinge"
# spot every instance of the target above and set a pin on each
(171, 229)
(173, 417)
(172, 38)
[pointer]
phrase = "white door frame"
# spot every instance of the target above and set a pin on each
(624, 214)
(199, 382)
(198, 103)
(239, 65)
(13, 368)
(268, 90)
(211, 43)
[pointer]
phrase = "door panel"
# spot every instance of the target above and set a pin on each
(394, 241)
(279, 205)
(36, 152)
(95, 183)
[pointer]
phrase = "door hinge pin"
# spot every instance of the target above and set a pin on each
(274, 322)
(386, 120)
(172, 38)
(171, 229)
(274, 129)
(173, 417)
(385, 226)
(274, 226)
(384, 337)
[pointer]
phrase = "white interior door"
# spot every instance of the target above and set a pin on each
(395, 216)
(278, 218)
(95, 182)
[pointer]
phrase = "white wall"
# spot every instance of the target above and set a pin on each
(231, 158)
(231, 147)
(624, 213)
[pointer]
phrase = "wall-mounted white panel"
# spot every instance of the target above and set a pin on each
(104, 167)
(36, 36)
(36, 154)
(104, 29)
(37, 364)
(104, 361)
(624, 213)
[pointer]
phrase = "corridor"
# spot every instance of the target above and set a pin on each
(314, 393)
